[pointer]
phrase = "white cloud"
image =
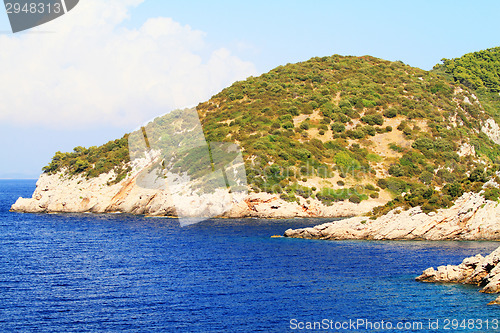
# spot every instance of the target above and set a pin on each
(91, 71)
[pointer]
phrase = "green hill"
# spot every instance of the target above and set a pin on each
(479, 71)
(338, 128)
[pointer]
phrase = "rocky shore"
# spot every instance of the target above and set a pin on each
(478, 270)
(59, 193)
(472, 217)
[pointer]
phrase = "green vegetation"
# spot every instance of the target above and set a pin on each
(328, 196)
(479, 71)
(338, 89)
(418, 194)
(93, 161)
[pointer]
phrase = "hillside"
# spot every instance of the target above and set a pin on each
(479, 71)
(340, 128)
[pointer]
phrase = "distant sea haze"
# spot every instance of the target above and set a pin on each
(111, 273)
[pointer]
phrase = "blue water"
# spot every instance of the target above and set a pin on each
(114, 273)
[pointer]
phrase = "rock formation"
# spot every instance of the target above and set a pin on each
(472, 217)
(60, 193)
(477, 270)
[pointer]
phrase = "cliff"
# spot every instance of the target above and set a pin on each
(59, 193)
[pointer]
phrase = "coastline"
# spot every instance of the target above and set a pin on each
(59, 193)
(472, 217)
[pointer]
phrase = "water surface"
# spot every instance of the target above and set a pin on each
(109, 273)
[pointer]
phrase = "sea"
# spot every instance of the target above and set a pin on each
(124, 273)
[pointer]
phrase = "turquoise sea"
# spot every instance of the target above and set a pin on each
(121, 273)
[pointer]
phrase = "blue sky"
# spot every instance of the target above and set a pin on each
(107, 66)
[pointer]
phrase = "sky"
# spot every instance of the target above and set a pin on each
(108, 66)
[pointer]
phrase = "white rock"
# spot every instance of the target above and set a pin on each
(491, 129)
(59, 193)
(478, 270)
(471, 218)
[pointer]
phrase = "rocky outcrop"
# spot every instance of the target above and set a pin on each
(477, 270)
(492, 130)
(60, 193)
(472, 217)
(466, 149)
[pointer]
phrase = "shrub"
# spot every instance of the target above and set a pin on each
(368, 103)
(407, 132)
(373, 158)
(288, 197)
(354, 198)
(445, 175)
(382, 183)
(426, 177)
(301, 154)
(80, 165)
(395, 147)
(293, 111)
(328, 195)
(491, 194)
(478, 175)
(427, 208)
(423, 144)
(338, 127)
(356, 134)
(345, 162)
(402, 125)
(303, 191)
(396, 170)
(476, 187)
(373, 119)
(453, 190)
(369, 130)
(390, 113)
(396, 185)
(370, 187)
